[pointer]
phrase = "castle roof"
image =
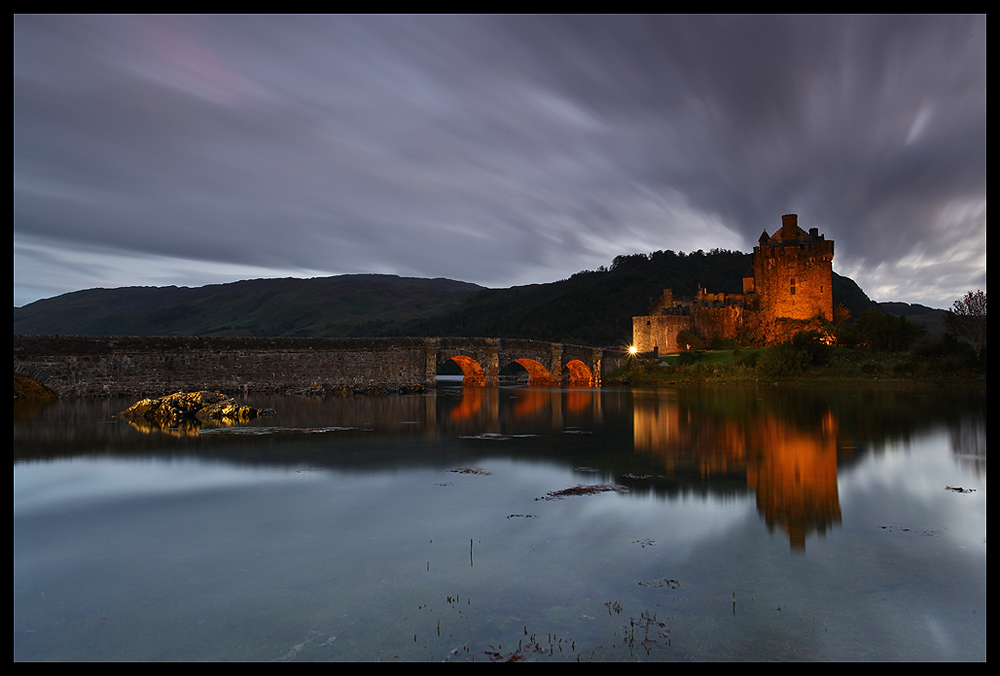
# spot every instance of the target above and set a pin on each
(791, 233)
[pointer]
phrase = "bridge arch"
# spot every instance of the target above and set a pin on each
(545, 363)
(537, 374)
(475, 374)
(579, 373)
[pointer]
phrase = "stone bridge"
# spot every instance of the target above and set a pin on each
(88, 366)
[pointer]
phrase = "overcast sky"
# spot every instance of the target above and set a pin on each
(500, 150)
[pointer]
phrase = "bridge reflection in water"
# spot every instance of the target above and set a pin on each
(510, 410)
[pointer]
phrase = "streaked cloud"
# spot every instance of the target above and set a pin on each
(500, 150)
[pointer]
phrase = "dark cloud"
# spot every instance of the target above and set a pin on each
(499, 150)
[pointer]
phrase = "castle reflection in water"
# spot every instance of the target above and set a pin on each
(791, 467)
(785, 454)
(784, 445)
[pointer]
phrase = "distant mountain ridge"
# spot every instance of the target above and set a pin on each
(591, 307)
(344, 305)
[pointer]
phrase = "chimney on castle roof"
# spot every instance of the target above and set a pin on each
(790, 226)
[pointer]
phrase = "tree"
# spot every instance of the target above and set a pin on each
(967, 318)
(887, 332)
(841, 314)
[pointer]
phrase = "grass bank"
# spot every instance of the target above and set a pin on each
(794, 363)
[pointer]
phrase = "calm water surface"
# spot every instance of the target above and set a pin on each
(721, 523)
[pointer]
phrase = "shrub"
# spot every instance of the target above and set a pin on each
(690, 341)
(870, 368)
(783, 360)
(943, 355)
(685, 358)
(810, 341)
(720, 343)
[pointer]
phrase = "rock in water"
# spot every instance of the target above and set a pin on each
(183, 408)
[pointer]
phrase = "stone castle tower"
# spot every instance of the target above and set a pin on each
(792, 273)
(791, 278)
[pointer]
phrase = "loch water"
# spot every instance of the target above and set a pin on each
(708, 522)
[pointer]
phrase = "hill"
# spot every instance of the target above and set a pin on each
(593, 307)
(596, 307)
(347, 305)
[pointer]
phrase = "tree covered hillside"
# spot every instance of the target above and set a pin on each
(596, 307)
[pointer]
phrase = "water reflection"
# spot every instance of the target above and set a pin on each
(783, 445)
(791, 465)
(344, 519)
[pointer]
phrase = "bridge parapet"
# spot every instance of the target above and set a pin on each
(90, 366)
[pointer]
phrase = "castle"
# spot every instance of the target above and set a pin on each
(787, 289)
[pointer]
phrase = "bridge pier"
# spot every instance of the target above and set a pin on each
(555, 364)
(492, 366)
(431, 346)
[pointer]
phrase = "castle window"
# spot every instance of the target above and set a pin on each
(792, 290)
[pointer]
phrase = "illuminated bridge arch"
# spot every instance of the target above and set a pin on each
(473, 372)
(579, 373)
(483, 359)
(537, 374)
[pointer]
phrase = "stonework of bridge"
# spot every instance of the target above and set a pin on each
(88, 366)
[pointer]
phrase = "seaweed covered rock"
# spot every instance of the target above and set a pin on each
(29, 389)
(183, 408)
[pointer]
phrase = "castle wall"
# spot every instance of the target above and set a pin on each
(659, 331)
(795, 282)
(664, 302)
(716, 322)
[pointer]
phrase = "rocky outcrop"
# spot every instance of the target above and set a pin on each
(182, 409)
(29, 389)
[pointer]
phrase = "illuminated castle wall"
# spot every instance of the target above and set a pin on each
(793, 272)
(790, 278)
